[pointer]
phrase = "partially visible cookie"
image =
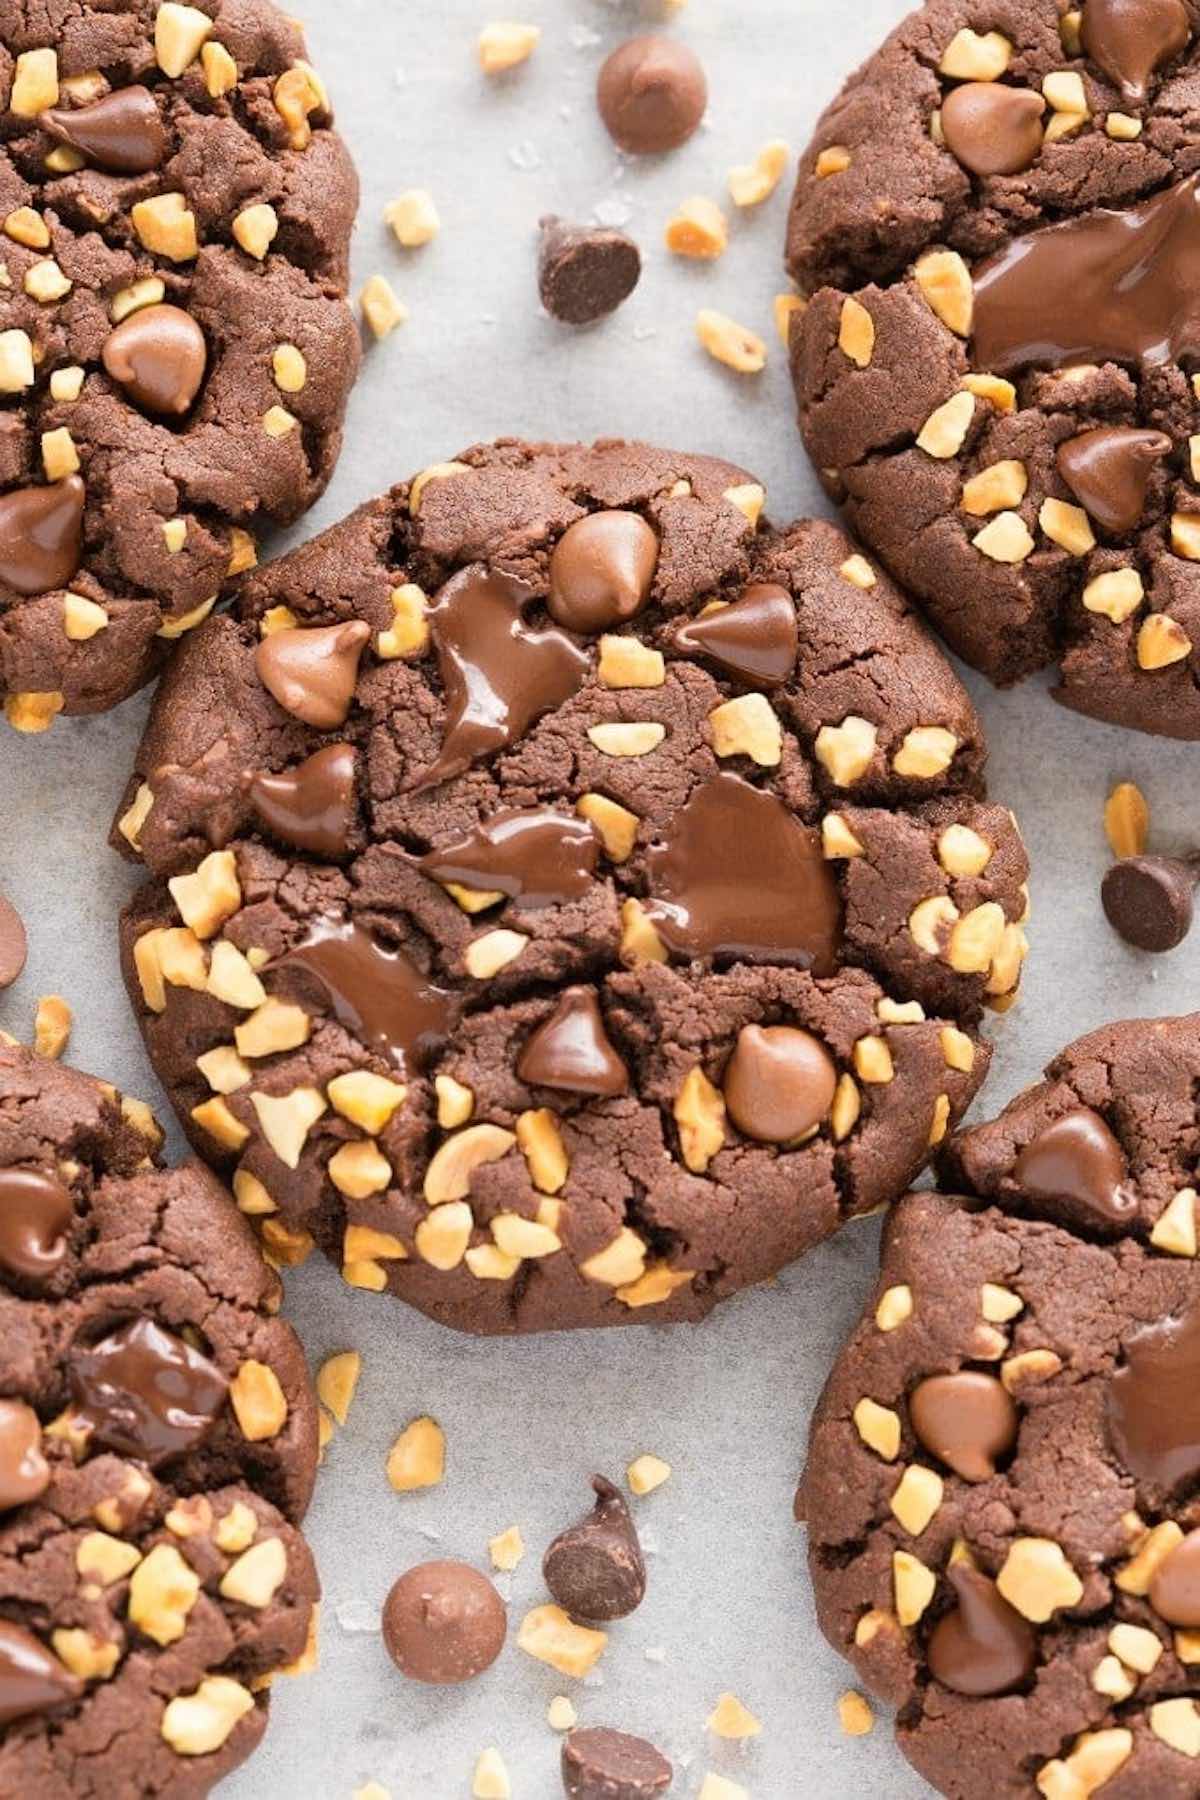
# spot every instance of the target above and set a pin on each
(157, 1451)
(175, 345)
(1002, 1482)
(995, 225)
(574, 898)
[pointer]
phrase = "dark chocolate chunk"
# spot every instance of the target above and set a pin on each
(595, 1568)
(36, 1212)
(536, 855)
(144, 1392)
(31, 1679)
(1108, 471)
(1132, 39)
(24, 1472)
(1150, 900)
(755, 637)
(1154, 1403)
(377, 993)
(601, 1764)
(571, 1050)
(1175, 1584)
(585, 271)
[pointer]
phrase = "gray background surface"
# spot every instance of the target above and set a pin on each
(526, 1422)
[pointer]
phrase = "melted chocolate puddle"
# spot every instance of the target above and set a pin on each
(379, 995)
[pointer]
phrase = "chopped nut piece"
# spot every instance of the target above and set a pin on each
(1135, 1576)
(1095, 1759)
(519, 1237)
(917, 1498)
(837, 840)
(545, 1155)
(730, 343)
(1037, 1579)
(45, 282)
(91, 1658)
(1185, 535)
(1112, 1679)
(487, 1262)
(730, 1719)
(174, 535)
(223, 1069)
(166, 227)
(505, 44)
(1067, 526)
(286, 1120)
(957, 1049)
(627, 739)
(237, 1530)
(646, 1473)
(413, 218)
(417, 1459)
(211, 895)
(854, 1713)
(833, 160)
(487, 955)
(962, 852)
(913, 1586)
(1002, 485)
(104, 1559)
(787, 307)
(970, 56)
(1137, 1647)
(927, 751)
(149, 292)
(24, 226)
(657, 1284)
(220, 70)
(975, 939)
(879, 1428)
(858, 572)
(1175, 1228)
(873, 1060)
(409, 633)
(507, 1549)
(561, 1715)
(366, 1099)
(856, 336)
(442, 1238)
(945, 281)
(162, 1592)
(551, 1636)
(945, 430)
(34, 83)
(179, 31)
(362, 1241)
(250, 1194)
(231, 977)
(700, 1116)
(895, 1306)
(449, 1174)
(255, 228)
(1123, 126)
(748, 726)
(285, 1246)
(640, 942)
(491, 1778)
(620, 1263)
(254, 1579)
(1031, 1366)
(1177, 1723)
(259, 1402)
(752, 183)
(273, 1027)
(197, 1724)
(616, 826)
(215, 1117)
(625, 662)
(59, 455)
(1005, 539)
(846, 751)
(1161, 642)
(381, 306)
(278, 422)
(184, 622)
(435, 472)
(698, 230)
(847, 1105)
(298, 93)
(51, 1026)
(16, 362)
(1064, 90)
(359, 1169)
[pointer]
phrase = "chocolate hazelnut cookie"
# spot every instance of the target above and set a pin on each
(157, 1449)
(997, 225)
(175, 345)
(1001, 1491)
(574, 897)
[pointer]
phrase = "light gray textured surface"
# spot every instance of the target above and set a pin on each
(526, 1422)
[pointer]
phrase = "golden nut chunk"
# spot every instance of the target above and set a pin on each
(455, 1102)
(895, 1306)
(359, 1169)
(255, 229)
(838, 842)
(1135, 1576)
(1095, 1760)
(1065, 91)
(413, 218)
(179, 32)
(362, 1242)
(847, 1105)
(1005, 539)
(417, 1459)
(519, 1237)
(620, 1263)
(945, 430)
(51, 1026)
(917, 1498)
(67, 384)
(647, 1472)
(1067, 526)
(220, 70)
(487, 955)
(224, 1070)
(285, 1121)
(731, 1720)
(1161, 642)
(162, 1592)
(435, 472)
(930, 923)
(1115, 595)
(1137, 1647)
(551, 1636)
(237, 1530)
(449, 1174)
(16, 362)
(59, 455)
(544, 1151)
(627, 663)
(698, 230)
(273, 1027)
(210, 896)
(1123, 126)
(104, 1559)
(441, 1239)
(24, 226)
(913, 1586)
(787, 307)
(166, 227)
(298, 93)
(45, 282)
(1029, 1368)
(1111, 1678)
(259, 1402)
(871, 1624)
(255, 1578)
(1127, 820)
(250, 1194)
(615, 825)
(366, 1099)
(657, 1284)
(854, 1713)
(507, 1549)
(149, 292)
(846, 751)
(752, 183)
(561, 1714)
(231, 977)
(409, 631)
(999, 1304)
(879, 1428)
(91, 1658)
(215, 1117)
(34, 83)
(635, 738)
(381, 306)
(1038, 1580)
(858, 572)
(730, 343)
(945, 282)
(994, 489)
(700, 1116)
(1177, 1723)
(835, 159)
(487, 1262)
(176, 627)
(197, 1724)
(975, 939)
(856, 334)
(927, 751)
(278, 422)
(506, 44)
(970, 56)
(748, 726)
(640, 942)
(1175, 1228)
(1185, 535)
(963, 852)
(490, 1781)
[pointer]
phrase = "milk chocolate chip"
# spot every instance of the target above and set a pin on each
(1154, 1403)
(652, 93)
(36, 1211)
(755, 637)
(966, 1420)
(1077, 1165)
(992, 129)
(312, 805)
(1175, 1585)
(378, 993)
(158, 355)
(1131, 39)
(571, 1050)
(535, 855)
(779, 1082)
(31, 1680)
(443, 1623)
(602, 571)
(24, 1472)
(983, 1646)
(595, 1569)
(145, 1392)
(601, 1764)
(120, 132)
(1150, 900)
(1108, 471)
(14, 945)
(313, 671)
(41, 530)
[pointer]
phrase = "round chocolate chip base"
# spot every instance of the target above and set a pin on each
(157, 1449)
(175, 346)
(1001, 1489)
(574, 897)
(998, 225)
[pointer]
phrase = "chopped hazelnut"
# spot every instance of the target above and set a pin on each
(551, 1636)
(418, 1457)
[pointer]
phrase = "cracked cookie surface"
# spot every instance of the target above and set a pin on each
(157, 1451)
(1001, 1485)
(996, 227)
(574, 896)
(176, 349)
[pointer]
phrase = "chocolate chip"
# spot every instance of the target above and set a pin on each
(602, 571)
(376, 992)
(145, 1392)
(992, 129)
(1154, 1403)
(36, 1211)
(24, 1472)
(966, 1420)
(755, 638)
(572, 1051)
(1108, 471)
(158, 355)
(595, 1568)
(601, 1764)
(779, 1082)
(652, 93)
(120, 132)
(31, 1680)
(1077, 1165)
(311, 805)
(443, 1622)
(41, 531)
(1149, 900)
(312, 672)
(536, 855)
(14, 946)
(585, 271)
(1175, 1584)
(1131, 39)
(983, 1646)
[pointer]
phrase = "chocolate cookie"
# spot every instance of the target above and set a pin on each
(157, 1450)
(574, 897)
(175, 344)
(998, 225)
(1001, 1491)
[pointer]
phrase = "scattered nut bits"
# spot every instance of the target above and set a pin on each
(551, 1636)
(507, 1550)
(698, 230)
(51, 1026)
(730, 1719)
(731, 343)
(505, 44)
(381, 306)
(491, 1778)
(413, 218)
(418, 1457)
(561, 1714)
(752, 183)
(1127, 820)
(646, 1473)
(854, 1713)
(336, 1382)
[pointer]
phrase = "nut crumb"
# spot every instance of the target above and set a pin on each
(854, 1713)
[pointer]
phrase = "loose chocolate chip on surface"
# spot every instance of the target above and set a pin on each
(1150, 900)
(595, 1568)
(652, 93)
(601, 1764)
(585, 271)
(443, 1622)
(14, 945)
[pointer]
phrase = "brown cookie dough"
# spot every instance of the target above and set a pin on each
(997, 229)
(157, 1451)
(175, 345)
(574, 898)
(1001, 1488)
